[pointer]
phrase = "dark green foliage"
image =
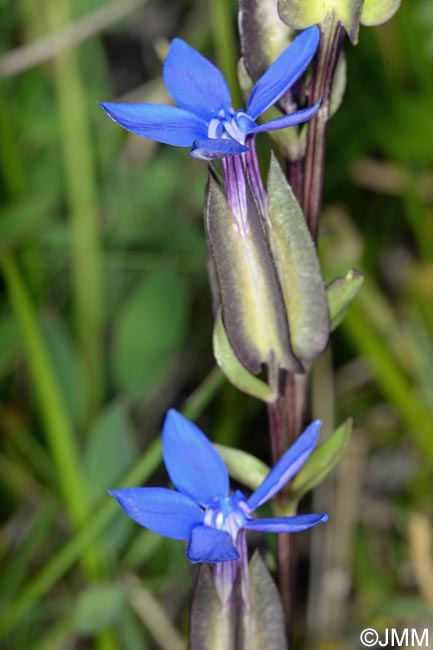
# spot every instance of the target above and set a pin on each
(157, 326)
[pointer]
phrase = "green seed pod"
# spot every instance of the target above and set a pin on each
(252, 306)
(295, 258)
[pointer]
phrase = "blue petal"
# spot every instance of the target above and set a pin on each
(166, 512)
(216, 148)
(193, 464)
(195, 83)
(288, 120)
(283, 73)
(158, 122)
(286, 524)
(211, 545)
(287, 466)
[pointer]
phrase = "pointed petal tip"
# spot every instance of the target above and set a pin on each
(314, 32)
(166, 512)
(193, 82)
(283, 72)
(313, 431)
(292, 119)
(192, 462)
(292, 524)
(172, 415)
(106, 106)
(288, 465)
(116, 494)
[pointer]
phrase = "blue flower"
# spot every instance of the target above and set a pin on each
(204, 118)
(202, 510)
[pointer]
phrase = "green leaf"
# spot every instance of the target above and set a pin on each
(252, 306)
(148, 210)
(243, 467)
(234, 370)
(110, 450)
(132, 634)
(10, 341)
(66, 364)
(99, 607)
(298, 268)
(149, 332)
(109, 453)
(263, 624)
(340, 294)
(21, 220)
(321, 462)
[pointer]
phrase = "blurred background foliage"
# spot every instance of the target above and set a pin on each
(105, 322)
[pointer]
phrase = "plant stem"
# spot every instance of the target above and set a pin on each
(286, 418)
(332, 35)
(306, 178)
(82, 199)
(60, 436)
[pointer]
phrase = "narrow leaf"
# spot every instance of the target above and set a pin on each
(234, 370)
(321, 462)
(142, 354)
(66, 364)
(21, 220)
(9, 341)
(110, 449)
(298, 268)
(340, 293)
(243, 467)
(98, 607)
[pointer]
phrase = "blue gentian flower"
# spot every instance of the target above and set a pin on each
(204, 118)
(203, 511)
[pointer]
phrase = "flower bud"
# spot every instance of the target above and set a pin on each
(252, 306)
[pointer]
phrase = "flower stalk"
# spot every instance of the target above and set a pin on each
(332, 37)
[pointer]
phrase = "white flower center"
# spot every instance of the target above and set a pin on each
(234, 125)
(228, 514)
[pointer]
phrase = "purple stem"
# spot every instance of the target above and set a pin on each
(286, 418)
(306, 178)
(332, 36)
